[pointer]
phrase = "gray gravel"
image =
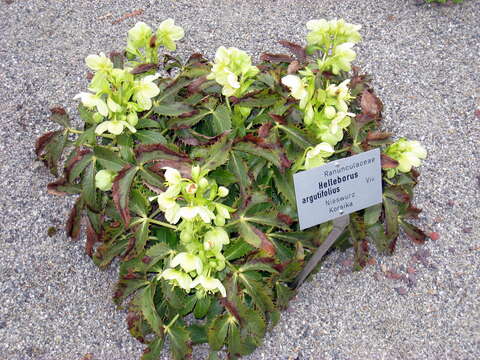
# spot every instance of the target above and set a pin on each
(56, 305)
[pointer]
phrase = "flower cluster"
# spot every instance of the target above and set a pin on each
(195, 201)
(117, 95)
(408, 153)
(233, 70)
(335, 39)
(316, 156)
(141, 37)
(326, 110)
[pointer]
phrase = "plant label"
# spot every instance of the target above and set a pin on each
(338, 188)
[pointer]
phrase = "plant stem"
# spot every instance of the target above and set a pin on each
(161, 223)
(172, 322)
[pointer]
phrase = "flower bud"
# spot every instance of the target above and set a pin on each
(222, 191)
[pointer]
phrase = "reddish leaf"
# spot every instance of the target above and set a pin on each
(121, 191)
(401, 291)
(232, 309)
(92, 238)
(156, 152)
(183, 167)
(264, 130)
(284, 161)
(142, 68)
(75, 220)
(80, 153)
(370, 104)
(414, 233)
(266, 245)
(43, 140)
(388, 162)
(434, 236)
(293, 67)
(62, 187)
(276, 58)
(58, 110)
(412, 212)
(128, 15)
(195, 85)
(378, 135)
(277, 118)
(153, 41)
(285, 218)
(297, 50)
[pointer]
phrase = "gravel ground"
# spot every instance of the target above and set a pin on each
(421, 303)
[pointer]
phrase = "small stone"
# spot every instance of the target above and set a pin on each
(401, 291)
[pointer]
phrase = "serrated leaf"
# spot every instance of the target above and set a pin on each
(77, 164)
(268, 219)
(239, 168)
(121, 191)
(150, 137)
(372, 214)
(295, 135)
(49, 148)
(151, 177)
(217, 331)
(214, 156)
(202, 306)
(62, 187)
(284, 185)
(146, 123)
(154, 349)
(173, 109)
(172, 89)
(89, 190)
(260, 102)
(127, 287)
(179, 338)
(125, 143)
(149, 311)
(382, 242)
(106, 252)
(413, 232)
(198, 333)
(221, 119)
(267, 154)
(257, 291)
(391, 217)
(237, 249)
(138, 203)
(108, 159)
(156, 152)
(74, 221)
(255, 237)
(187, 122)
(174, 295)
(284, 295)
(141, 237)
(257, 267)
(60, 116)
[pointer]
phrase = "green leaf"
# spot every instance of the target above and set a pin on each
(74, 221)
(121, 191)
(187, 122)
(108, 159)
(257, 291)
(157, 152)
(154, 349)
(223, 177)
(138, 203)
(262, 102)
(284, 295)
(256, 237)
(125, 143)
(62, 187)
(391, 217)
(145, 123)
(174, 295)
(413, 232)
(151, 177)
(126, 287)
(380, 239)
(237, 249)
(141, 237)
(372, 214)
(149, 311)
(87, 137)
(60, 116)
(198, 333)
(106, 252)
(297, 136)
(173, 88)
(173, 109)
(77, 164)
(257, 267)
(268, 219)
(158, 251)
(267, 154)
(86, 114)
(217, 331)
(239, 168)
(202, 306)
(179, 341)
(49, 148)
(89, 190)
(284, 184)
(222, 119)
(214, 156)
(150, 137)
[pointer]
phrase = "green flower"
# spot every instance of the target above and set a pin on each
(215, 239)
(144, 90)
(104, 179)
(99, 62)
(231, 69)
(172, 176)
(188, 262)
(341, 59)
(90, 101)
(114, 127)
(191, 212)
(407, 153)
(298, 89)
(168, 33)
(323, 32)
(209, 284)
(316, 156)
(177, 278)
(138, 36)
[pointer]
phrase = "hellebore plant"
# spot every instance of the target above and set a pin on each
(187, 180)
